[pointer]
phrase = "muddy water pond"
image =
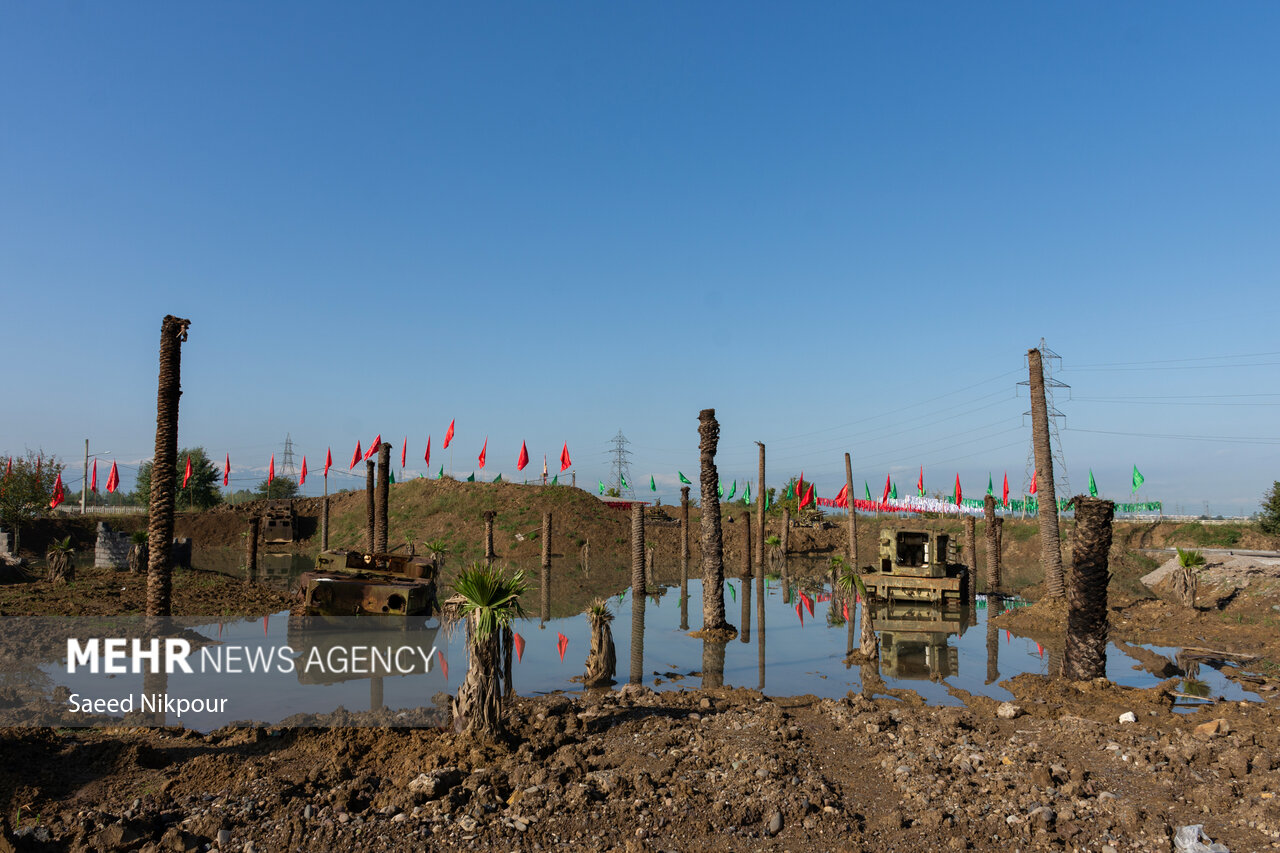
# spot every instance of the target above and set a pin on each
(270, 670)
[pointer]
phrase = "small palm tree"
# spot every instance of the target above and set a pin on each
(602, 660)
(489, 602)
(437, 550)
(1185, 581)
(61, 569)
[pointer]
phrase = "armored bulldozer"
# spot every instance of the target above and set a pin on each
(916, 565)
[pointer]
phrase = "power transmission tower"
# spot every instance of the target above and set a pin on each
(622, 465)
(1061, 481)
(287, 468)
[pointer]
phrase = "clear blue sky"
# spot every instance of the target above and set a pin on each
(841, 225)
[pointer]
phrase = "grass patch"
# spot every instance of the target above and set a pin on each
(1212, 535)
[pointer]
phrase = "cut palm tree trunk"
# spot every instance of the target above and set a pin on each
(1086, 647)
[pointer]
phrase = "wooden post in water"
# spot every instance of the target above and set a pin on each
(761, 498)
(993, 549)
(489, 515)
(251, 551)
(713, 614)
(371, 511)
(546, 566)
(786, 540)
(382, 498)
(1086, 651)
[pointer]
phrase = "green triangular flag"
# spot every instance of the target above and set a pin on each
(440, 476)
(766, 500)
(555, 481)
(893, 493)
(602, 487)
(391, 476)
(866, 489)
(746, 496)
(733, 592)
(472, 478)
(1093, 487)
(685, 479)
(497, 479)
(719, 490)
(625, 484)
(990, 487)
(1138, 479)
(653, 487)
(733, 490)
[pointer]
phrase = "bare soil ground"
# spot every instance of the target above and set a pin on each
(690, 770)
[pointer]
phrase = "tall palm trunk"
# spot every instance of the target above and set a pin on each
(684, 558)
(370, 506)
(637, 551)
(1046, 497)
(382, 498)
(971, 556)
(713, 617)
(993, 546)
(164, 474)
(489, 516)
(545, 590)
(1086, 650)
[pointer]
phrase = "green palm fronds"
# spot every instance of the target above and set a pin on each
(1190, 559)
(493, 597)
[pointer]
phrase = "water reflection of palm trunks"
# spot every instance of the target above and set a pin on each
(155, 684)
(914, 638)
(994, 608)
(713, 663)
(745, 633)
(637, 639)
(760, 632)
(338, 641)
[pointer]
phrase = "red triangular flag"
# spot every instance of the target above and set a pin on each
(484, 450)
(265, 617)
(1040, 649)
(448, 436)
(113, 479)
(885, 497)
(842, 496)
(226, 471)
(1008, 638)
(374, 447)
(9, 470)
(800, 613)
(444, 664)
(846, 611)
(328, 461)
(426, 457)
(800, 485)
(1006, 488)
(562, 643)
(808, 602)
(271, 472)
(302, 476)
(565, 461)
(524, 457)
(357, 456)
(808, 497)
(959, 497)
(58, 494)
(1032, 490)
(920, 483)
(186, 475)
(93, 485)
(404, 451)
(519, 646)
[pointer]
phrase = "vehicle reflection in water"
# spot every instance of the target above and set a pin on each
(407, 652)
(915, 639)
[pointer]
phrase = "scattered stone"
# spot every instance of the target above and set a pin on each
(224, 838)
(1128, 717)
(1008, 711)
(775, 824)
(1213, 727)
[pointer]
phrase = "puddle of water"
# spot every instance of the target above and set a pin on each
(279, 570)
(799, 648)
